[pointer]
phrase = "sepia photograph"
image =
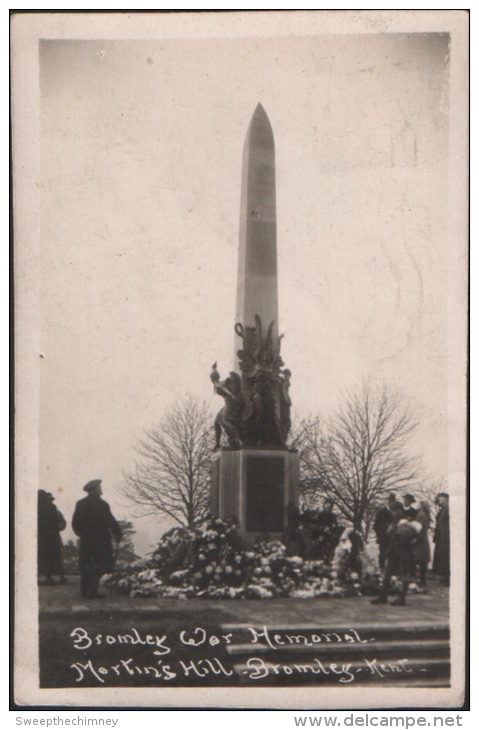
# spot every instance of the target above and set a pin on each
(241, 291)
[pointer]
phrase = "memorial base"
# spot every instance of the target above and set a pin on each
(255, 487)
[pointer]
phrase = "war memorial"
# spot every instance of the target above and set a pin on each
(241, 281)
(281, 642)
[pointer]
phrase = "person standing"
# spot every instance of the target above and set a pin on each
(49, 542)
(327, 532)
(422, 548)
(402, 536)
(326, 517)
(381, 524)
(95, 525)
(441, 560)
(410, 511)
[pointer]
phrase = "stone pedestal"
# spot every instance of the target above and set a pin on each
(256, 487)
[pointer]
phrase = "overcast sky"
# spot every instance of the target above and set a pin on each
(141, 149)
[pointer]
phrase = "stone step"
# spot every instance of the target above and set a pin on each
(419, 682)
(412, 649)
(416, 655)
(334, 635)
(413, 673)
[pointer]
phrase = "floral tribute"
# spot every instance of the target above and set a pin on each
(211, 562)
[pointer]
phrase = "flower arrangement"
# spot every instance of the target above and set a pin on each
(212, 562)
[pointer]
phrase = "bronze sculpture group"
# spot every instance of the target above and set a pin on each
(261, 363)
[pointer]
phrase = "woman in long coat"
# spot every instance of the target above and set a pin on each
(94, 524)
(49, 542)
(422, 548)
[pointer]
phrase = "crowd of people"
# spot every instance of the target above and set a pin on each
(96, 527)
(402, 533)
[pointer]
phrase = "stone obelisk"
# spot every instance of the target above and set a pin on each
(255, 476)
(257, 292)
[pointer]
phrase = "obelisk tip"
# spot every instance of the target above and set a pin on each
(259, 110)
(260, 121)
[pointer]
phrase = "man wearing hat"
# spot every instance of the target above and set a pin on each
(94, 524)
(50, 524)
(409, 511)
(381, 524)
(441, 560)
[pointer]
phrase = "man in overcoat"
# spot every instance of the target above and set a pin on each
(381, 524)
(441, 560)
(328, 531)
(95, 525)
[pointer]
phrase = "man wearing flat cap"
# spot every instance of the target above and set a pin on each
(95, 525)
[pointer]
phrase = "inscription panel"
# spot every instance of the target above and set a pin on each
(264, 493)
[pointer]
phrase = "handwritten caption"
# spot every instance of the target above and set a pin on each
(161, 663)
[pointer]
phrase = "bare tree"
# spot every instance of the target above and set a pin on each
(304, 433)
(172, 476)
(126, 548)
(362, 455)
(71, 556)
